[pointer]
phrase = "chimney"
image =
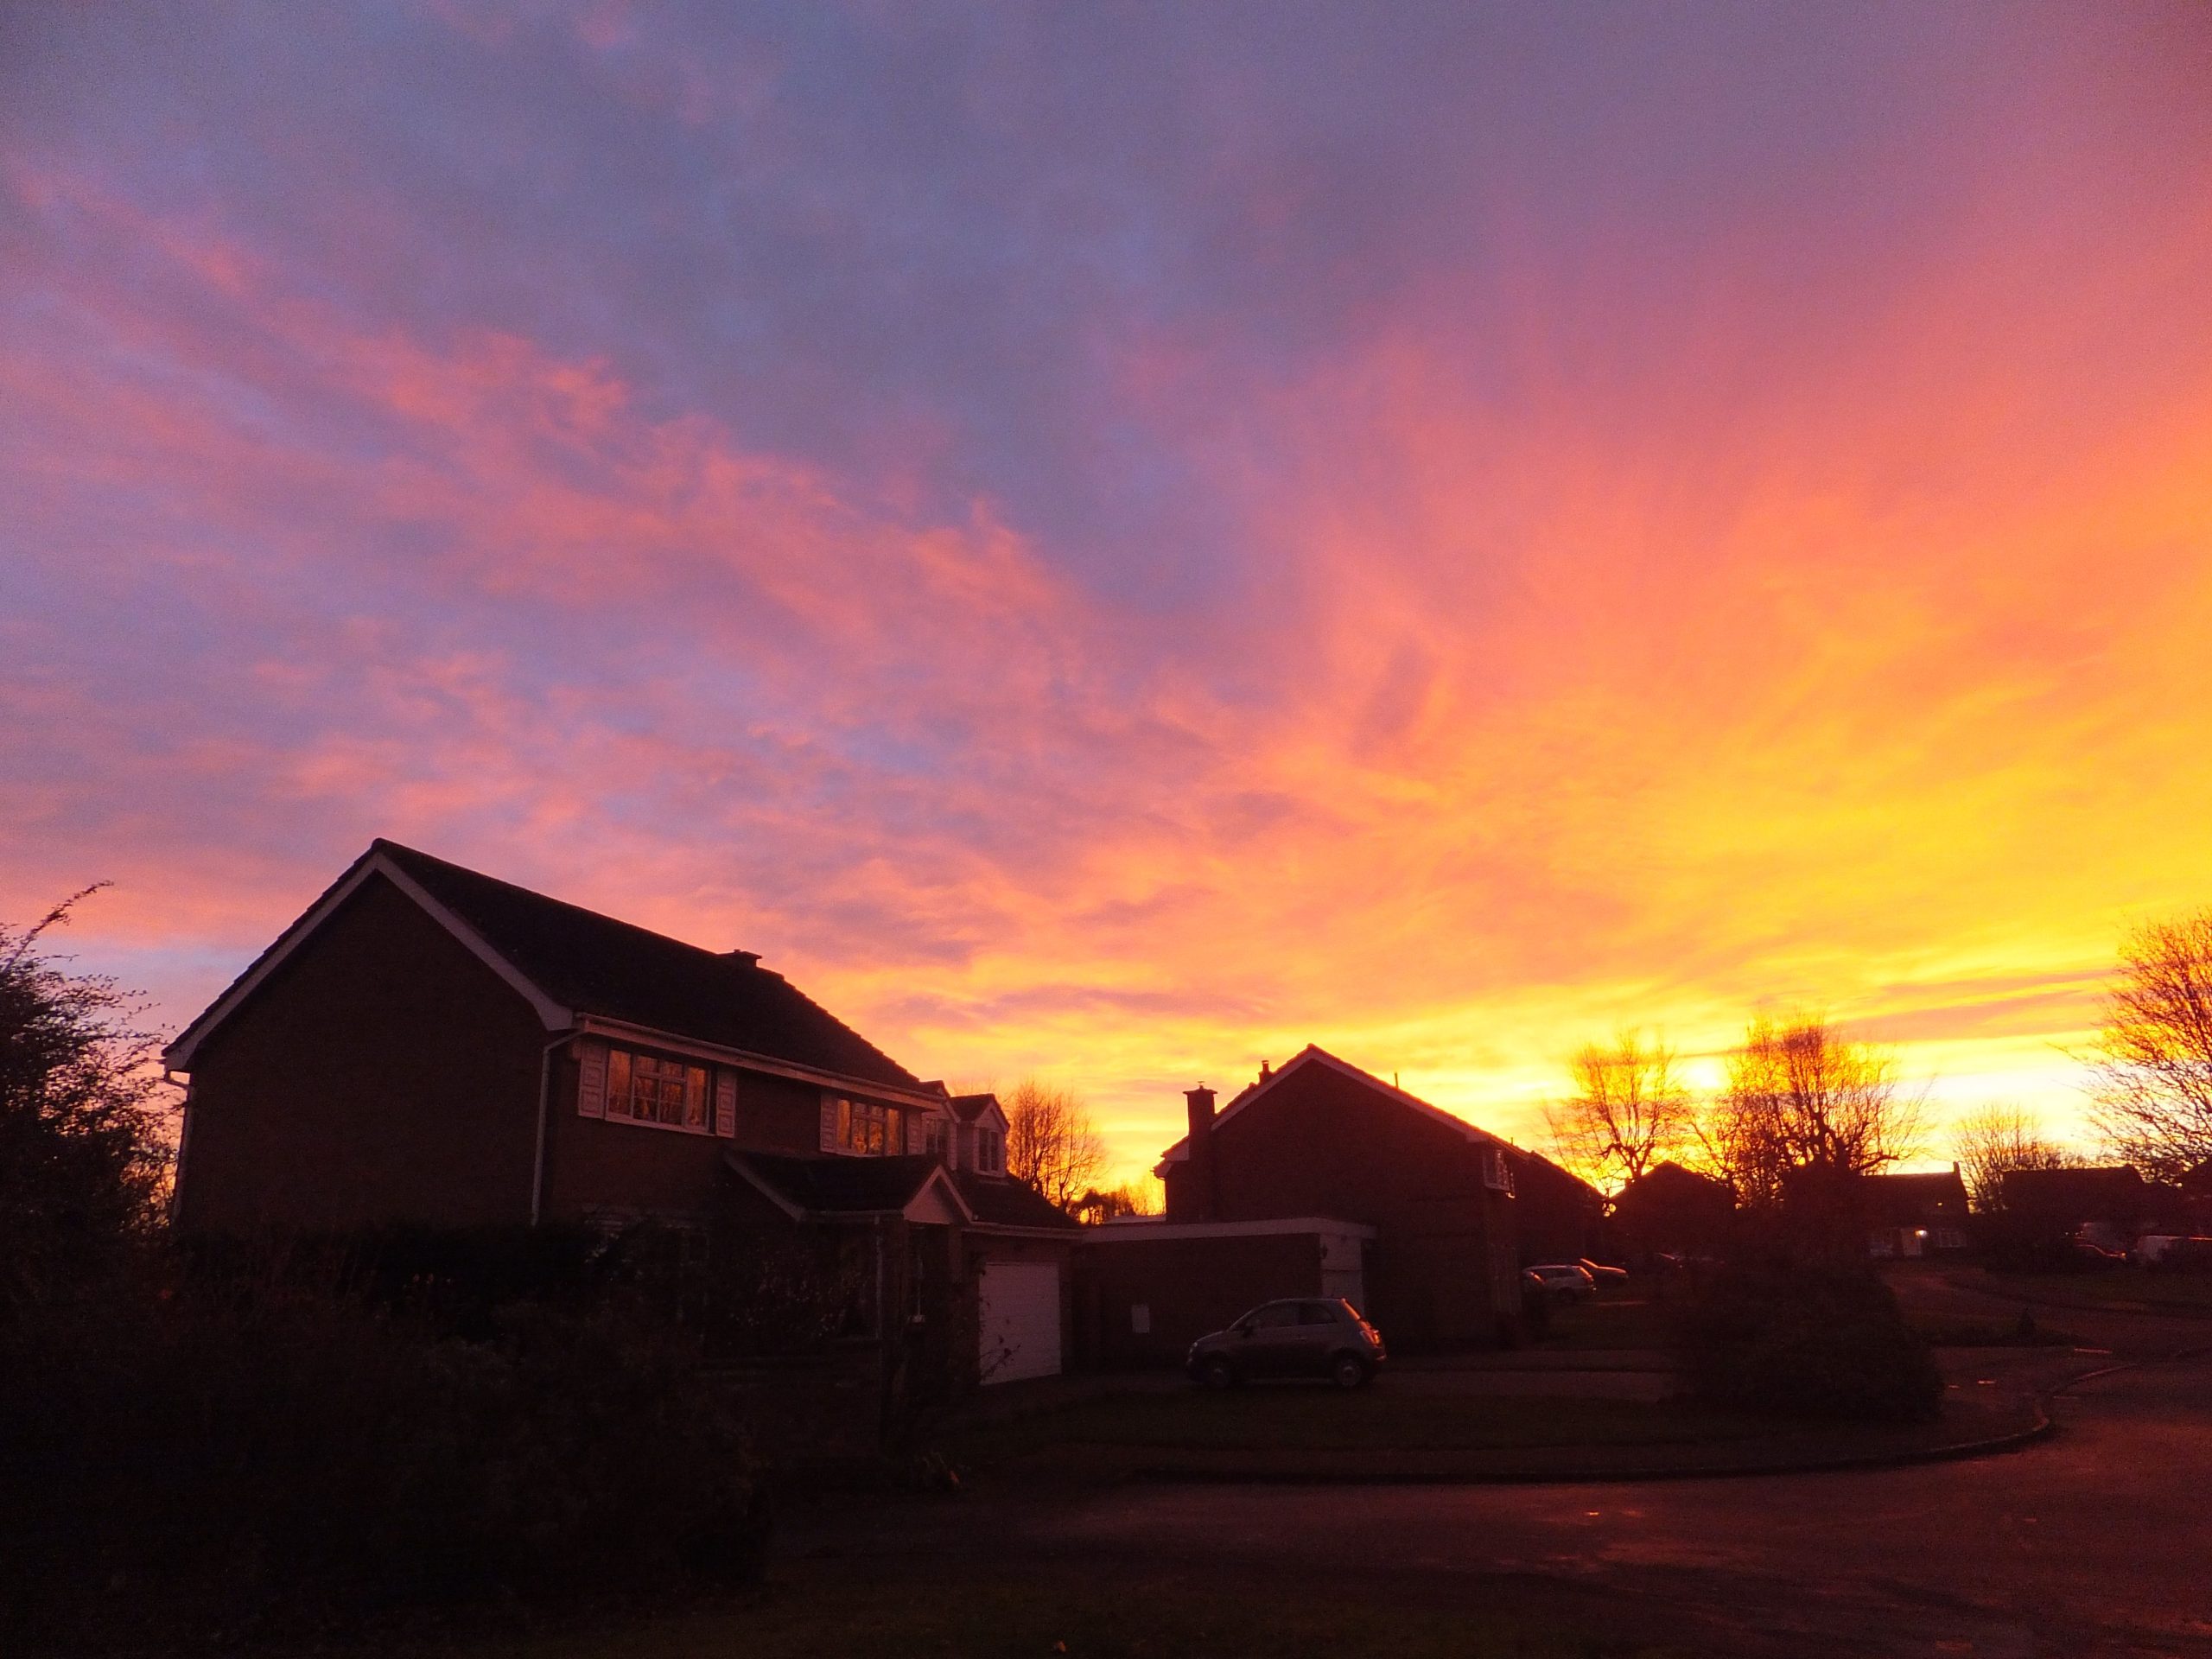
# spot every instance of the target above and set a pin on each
(1201, 1180)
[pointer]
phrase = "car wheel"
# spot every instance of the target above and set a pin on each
(1348, 1371)
(1216, 1375)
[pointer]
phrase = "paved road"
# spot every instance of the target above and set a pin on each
(2095, 1543)
(2098, 1541)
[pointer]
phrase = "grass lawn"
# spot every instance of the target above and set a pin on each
(1636, 1317)
(2182, 1292)
(1034, 1614)
(1373, 1419)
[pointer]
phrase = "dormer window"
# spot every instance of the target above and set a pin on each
(990, 1151)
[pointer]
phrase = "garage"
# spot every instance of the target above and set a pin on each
(1018, 1320)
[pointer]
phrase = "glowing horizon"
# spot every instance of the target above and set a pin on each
(1117, 552)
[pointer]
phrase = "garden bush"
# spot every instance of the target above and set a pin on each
(1818, 1342)
(220, 1450)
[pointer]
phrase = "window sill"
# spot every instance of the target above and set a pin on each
(671, 1129)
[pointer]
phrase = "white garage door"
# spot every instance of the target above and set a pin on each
(1019, 1321)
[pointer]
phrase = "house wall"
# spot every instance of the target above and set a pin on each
(1187, 1288)
(1443, 1268)
(381, 1073)
(613, 1169)
(1557, 1218)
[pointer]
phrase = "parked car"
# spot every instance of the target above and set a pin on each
(1570, 1280)
(2174, 1252)
(1600, 1273)
(1315, 1338)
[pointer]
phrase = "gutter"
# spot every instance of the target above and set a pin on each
(626, 1031)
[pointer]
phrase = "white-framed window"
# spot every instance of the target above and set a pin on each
(990, 1150)
(647, 1089)
(935, 1136)
(867, 1129)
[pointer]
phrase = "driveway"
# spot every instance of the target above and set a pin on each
(2095, 1541)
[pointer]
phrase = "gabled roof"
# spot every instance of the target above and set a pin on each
(1312, 1055)
(1904, 1199)
(569, 961)
(969, 1108)
(2088, 1188)
(860, 1187)
(834, 1186)
(1003, 1202)
(1668, 1173)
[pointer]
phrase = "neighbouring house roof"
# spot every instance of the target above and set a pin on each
(1913, 1199)
(571, 962)
(1670, 1182)
(1311, 1055)
(1004, 1203)
(1547, 1169)
(2095, 1194)
(858, 1186)
(1141, 1230)
(969, 1108)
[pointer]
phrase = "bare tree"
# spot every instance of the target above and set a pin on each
(1995, 1140)
(2153, 1061)
(1628, 1112)
(1050, 1142)
(1804, 1101)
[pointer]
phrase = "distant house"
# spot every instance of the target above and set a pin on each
(1671, 1210)
(1318, 1179)
(2112, 1202)
(430, 1045)
(1914, 1214)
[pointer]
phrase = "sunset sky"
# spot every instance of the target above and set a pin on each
(1116, 541)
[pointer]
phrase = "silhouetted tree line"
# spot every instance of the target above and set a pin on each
(1804, 1112)
(1796, 1318)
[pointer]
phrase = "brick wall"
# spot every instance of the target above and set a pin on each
(383, 1073)
(1443, 1268)
(1186, 1289)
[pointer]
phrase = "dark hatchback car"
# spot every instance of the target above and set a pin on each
(1314, 1337)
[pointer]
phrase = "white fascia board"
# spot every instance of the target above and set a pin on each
(177, 1057)
(551, 1014)
(1132, 1232)
(940, 1183)
(599, 1025)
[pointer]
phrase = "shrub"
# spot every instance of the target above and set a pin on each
(82, 1155)
(230, 1451)
(1806, 1341)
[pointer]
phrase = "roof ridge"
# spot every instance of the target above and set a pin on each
(388, 846)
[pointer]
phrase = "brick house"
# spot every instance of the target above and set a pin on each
(430, 1045)
(1915, 1214)
(1670, 1211)
(1318, 1178)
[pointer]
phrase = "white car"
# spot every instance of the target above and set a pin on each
(1569, 1279)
